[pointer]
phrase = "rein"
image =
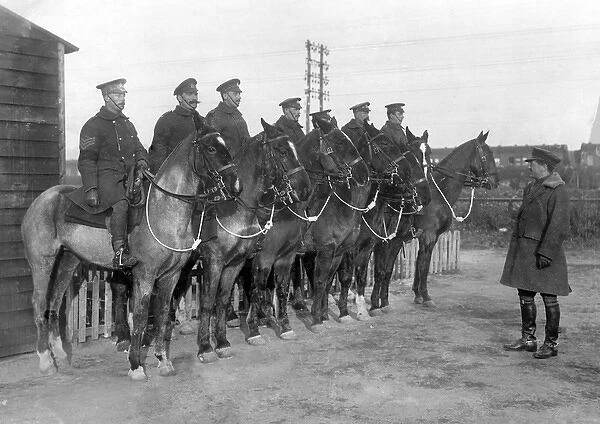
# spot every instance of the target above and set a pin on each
(387, 237)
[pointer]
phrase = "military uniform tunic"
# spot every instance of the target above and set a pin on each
(542, 226)
(291, 128)
(230, 123)
(170, 129)
(395, 132)
(108, 148)
(353, 130)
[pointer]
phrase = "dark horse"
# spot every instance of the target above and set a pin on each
(472, 163)
(328, 156)
(273, 178)
(390, 221)
(336, 231)
(54, 248)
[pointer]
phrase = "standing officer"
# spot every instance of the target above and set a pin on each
(393, 126)
(536, 262)
(175, 125)
(108, 148)
(288, 122)
(355, 128)
(227, 119)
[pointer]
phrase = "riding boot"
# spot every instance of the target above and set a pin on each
(550, 346)
(528, 315)
(118, 229)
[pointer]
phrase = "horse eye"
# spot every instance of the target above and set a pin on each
(212, 150)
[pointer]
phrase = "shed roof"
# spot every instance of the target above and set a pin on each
(69, 48)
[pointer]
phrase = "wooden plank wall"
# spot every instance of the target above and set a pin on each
(30, 135)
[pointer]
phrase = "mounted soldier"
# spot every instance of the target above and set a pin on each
(323, 115)
(175, 125)
(227, 119)
(393, 127)
(355, 128)
(109, 151)
(288, 122)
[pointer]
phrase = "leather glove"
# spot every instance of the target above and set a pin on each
(91, 197)
(141, 166)
(542, 262)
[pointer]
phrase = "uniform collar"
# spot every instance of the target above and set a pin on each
(290, 122)
(104, 113)
(224, 107)
(394, 125)
(553, 180)
(354, 124)
(179, 110)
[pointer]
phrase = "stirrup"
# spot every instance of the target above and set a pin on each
(124, 260)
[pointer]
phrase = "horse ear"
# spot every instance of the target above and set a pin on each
(425, 136)
(485, 136)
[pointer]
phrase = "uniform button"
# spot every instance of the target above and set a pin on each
(120, 138)
(114, 122)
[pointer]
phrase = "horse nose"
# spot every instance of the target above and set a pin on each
(237, 186)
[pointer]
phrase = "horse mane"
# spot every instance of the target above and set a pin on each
(460, 151)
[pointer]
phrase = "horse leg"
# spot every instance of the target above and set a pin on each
(141, 293)
(361, 266)
(326, 266)
(384, 259)
(64, 276)
(299, 302)
(281, 271)
(188, 326)
(208, 292)
(427, 242)
(223, 347)
(345, 276)
(258, 299)
(120, 285)
(163, 325)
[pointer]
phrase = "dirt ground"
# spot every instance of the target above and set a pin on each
(413, 365)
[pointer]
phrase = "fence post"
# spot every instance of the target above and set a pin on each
(95, 305)
(107, 308)
(81, 323)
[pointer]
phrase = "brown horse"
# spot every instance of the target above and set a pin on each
(273, 179)
(54, 248)
(389, 221)
(329, 156)
(471, 163)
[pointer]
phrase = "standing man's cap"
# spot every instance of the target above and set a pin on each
(231, 85)
(114, 86)
(394, 107)
(321, 114)
(543, 155)
(187, 86)
(361, 107)
(293, 102)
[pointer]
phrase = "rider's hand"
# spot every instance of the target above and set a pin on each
(142, 165)
(542, 262)
(91, 197)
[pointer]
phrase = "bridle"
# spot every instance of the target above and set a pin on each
(391, 169)
(280, 184)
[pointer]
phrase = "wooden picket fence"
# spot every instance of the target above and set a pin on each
(89, 317)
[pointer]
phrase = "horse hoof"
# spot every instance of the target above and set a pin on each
(224, 352)
(123, 345)
(288, 335)
(166, 369)
(137, 374)
(47, 366)
(387, 309)
(418, 300)
(234, 323)
(317, 328)
(256, 340)
(345, 319)
(207, 357)
(351, 295)
(376, 313)
(362, 316)
(429, 304)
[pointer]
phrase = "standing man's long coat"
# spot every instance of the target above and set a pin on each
(542, 226)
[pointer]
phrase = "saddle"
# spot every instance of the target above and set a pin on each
(79, 212)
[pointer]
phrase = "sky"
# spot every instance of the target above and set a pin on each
(529, 72)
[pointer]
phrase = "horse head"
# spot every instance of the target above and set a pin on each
(483, 166)
(339, 157)
(419, 159)
(212, 163)
(286, 180)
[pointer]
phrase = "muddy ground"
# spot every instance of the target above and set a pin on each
(413, 365)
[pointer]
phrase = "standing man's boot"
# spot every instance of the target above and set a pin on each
(550, 346)
(528, 315)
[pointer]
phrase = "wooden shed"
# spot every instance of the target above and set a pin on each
(32, 158)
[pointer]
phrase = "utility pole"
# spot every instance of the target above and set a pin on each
(315, 79)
